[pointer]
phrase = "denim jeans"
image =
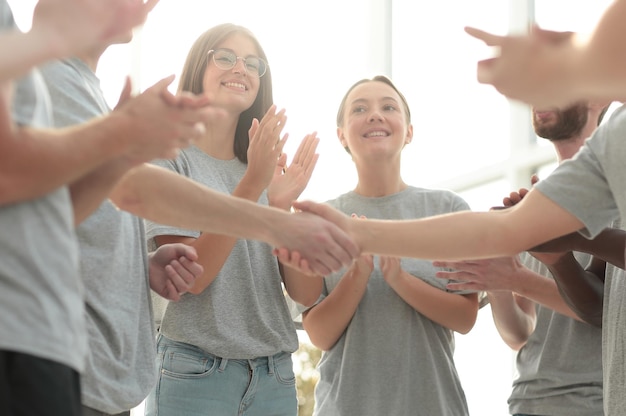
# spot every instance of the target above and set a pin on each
(193, 382)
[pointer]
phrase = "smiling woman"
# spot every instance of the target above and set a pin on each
(466, 138)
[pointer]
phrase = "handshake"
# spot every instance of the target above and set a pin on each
(317, 239)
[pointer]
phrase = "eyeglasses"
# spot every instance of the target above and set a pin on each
(226, 59)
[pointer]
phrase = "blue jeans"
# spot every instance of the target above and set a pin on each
(193, 382)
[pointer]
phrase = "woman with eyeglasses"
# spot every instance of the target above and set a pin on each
(386, 325)
(226, 347)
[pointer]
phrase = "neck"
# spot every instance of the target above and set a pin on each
(567, 148)
(379, 180)
(92, 57)
(219, 138)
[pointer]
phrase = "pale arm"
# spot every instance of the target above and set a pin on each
(450, 310)
(166, 197)
(144, 128)
(514, 316)
(459, 235)
(328, 320)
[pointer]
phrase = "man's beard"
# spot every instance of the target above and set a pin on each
(569, 123)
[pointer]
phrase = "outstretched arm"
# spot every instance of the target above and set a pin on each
(62, 28)
(459, 235)
(190, 205)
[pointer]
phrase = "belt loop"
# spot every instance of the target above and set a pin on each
(223, 363)
(270, 365)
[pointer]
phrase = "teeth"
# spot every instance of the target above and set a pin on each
(376, 134)
(235, 85)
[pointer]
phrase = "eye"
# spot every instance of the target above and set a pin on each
(252, 64)
(225, 57)
(359, 109)
(389, 107)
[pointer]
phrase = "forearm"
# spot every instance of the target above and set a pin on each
(89, 191)
(581, 290)
(453, 311)
(302, 288)
(23, 51)
(609, 246)
(544, 291)
(513, 322)
(193, 206)
(34, 162)
(467, 235)
(328, 320)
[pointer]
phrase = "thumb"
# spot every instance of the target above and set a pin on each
(184, 250)
(125, 95)
(280, 164)
(253, 128)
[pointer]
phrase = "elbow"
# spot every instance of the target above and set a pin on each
(305, 299)
(466, 325)
(321, 343)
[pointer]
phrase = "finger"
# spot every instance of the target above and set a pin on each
(162, 85)
(193, 268)
(254, 127)
(345, 249)
(485, 70)
(278, 147)
(489, 38)
(169, 292)
(320, 268)
(534, 179)
(463, 286)
(176, 276)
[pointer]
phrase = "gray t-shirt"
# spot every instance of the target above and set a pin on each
(591, 187)
(41, 306)
(392, 360)
(120, 370)
(560, 367)
(243, 313)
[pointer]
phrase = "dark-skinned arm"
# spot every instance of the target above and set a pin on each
(581, 288)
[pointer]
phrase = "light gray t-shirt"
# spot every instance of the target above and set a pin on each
(560, 367)
(120, 370)
(591, 187)
(243, 312)
(392, 360)
(41, 306)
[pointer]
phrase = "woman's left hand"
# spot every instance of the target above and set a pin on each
(290, 181)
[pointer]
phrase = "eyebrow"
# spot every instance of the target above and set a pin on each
(363, 100)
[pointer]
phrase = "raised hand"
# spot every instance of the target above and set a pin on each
(266, 146)
(173, 270)
(524, 68)
(289, 182)
(157, 129)
(73, 26)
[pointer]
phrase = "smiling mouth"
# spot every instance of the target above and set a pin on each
(376, 134)
(236, 85)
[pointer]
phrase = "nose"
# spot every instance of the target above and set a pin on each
(375, 116)
(240, 66)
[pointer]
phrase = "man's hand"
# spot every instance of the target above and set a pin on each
(173, 270)
(487, 275)
(315, 242)
(74, 26)
(526, 67)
